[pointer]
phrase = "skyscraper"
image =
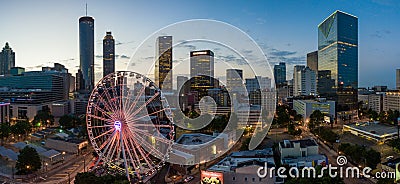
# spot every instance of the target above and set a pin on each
(108, 54)
(398, 79)
(182, 85)
(201, 71)
(7, 60)
(338, 52)
(312, 60)
(324, 83)
(86, 51)
(234, 80)
(280, 74)
(163, 68)
(297, 79)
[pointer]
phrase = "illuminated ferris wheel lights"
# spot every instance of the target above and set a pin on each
(117, 125)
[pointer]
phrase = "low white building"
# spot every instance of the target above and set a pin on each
(299, 153)
(242, 167)
(307, 107)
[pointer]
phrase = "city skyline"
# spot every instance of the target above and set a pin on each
(261, 22)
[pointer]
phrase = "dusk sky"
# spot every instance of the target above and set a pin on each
(44, 32)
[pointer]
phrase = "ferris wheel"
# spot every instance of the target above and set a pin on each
(129, 124)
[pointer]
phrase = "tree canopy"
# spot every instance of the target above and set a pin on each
(28, 161)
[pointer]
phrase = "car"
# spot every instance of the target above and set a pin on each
(189, 178)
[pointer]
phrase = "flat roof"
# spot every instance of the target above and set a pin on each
(195, 139)
(253, 153)
(229, 164)
(373, 128)
(303, 143)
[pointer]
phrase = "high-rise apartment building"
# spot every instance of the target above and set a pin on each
(163, 67)
(338, 52)
(108, 54)
(86, 51)
(304, 80)
(7, 59)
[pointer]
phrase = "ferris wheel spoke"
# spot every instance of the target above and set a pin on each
(100, 126)
(136, 164)
(137, 99)
(101, 118)
(150, 125)
(146, 144)
(117, 100)
(106, 103)
(147, 115)
(134, 145)
(105, 133)
(114, 137)
(96, 107)
(110, 101)
(142, 152)
(111, 138)
(144, 105)
(145, 133)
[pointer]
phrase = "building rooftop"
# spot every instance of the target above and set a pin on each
(267, 152)
(303, 143)
(374, 128)
(195, 139)
(311, 158)
(232, 162)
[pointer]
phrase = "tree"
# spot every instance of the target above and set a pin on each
(66, 121)
(43, 117)
(5, 131)
(316, 119)
(28, 161)
(21, 128)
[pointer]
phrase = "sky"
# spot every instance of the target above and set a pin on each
(45, 32)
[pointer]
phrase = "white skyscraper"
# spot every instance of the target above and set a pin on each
(304, 80)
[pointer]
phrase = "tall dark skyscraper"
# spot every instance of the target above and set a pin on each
(202, 71)
(312, 60)
(7, 60)
(338, 52)
(280, 73)
(108, 54)
(163, 63)
(86, 51)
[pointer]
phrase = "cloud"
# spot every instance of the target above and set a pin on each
(124, 57)
(281, 53)
(380, 33)
(117, 56)
(231, 59)
(123, 43)
(260, 21)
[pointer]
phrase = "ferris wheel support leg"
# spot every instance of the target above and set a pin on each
(123, 154)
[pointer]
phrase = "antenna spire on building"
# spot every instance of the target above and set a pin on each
(86, 9)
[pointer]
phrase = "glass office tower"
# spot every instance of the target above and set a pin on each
(338, 53)
(202, 71)
(163, 68)
(86, 51)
